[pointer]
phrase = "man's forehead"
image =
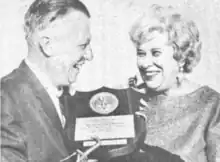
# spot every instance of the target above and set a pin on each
(73, 21)
(74, 16)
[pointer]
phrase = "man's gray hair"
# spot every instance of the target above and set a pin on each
(43, 12)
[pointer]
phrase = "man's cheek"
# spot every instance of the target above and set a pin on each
(56, 64)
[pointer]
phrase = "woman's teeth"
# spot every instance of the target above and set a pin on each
(151, 73)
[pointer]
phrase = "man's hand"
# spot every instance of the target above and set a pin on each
(83, 156)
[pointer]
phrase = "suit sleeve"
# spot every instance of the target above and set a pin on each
(213, 136)
(13, 145)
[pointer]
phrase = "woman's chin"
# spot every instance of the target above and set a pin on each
(153, 85)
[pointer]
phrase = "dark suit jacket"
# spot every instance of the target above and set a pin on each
(30, 127)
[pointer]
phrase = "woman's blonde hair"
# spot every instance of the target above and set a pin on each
(183, 34)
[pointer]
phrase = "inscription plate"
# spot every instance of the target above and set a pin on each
(107, 127)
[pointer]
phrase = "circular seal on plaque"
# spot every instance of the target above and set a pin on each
(104, 103)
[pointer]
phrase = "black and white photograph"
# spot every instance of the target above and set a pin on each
(110, 80)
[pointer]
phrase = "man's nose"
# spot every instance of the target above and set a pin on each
(88, 54)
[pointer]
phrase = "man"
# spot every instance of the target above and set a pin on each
(32, 122)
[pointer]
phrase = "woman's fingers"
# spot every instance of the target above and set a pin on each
(141, 114)
(143, 102)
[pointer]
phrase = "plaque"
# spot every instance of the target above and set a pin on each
(107, 114)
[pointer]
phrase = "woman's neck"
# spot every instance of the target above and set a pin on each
(182, 89)
(186, 87)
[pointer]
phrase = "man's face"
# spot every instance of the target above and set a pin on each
(68, 47)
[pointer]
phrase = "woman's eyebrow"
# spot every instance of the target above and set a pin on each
(157, 48)
(140, 50)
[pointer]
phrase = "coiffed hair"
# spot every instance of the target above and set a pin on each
(183, 33)
(43, 12)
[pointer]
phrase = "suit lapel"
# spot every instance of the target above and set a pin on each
(46, 111)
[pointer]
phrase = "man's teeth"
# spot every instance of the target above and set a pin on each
(77, 66)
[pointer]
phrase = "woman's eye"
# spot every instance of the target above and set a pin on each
(156, 53)
(141, 53)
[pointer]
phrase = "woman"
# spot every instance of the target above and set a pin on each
(182, 117)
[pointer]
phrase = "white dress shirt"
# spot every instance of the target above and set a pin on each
(53, 91)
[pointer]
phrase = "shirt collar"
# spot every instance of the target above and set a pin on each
(44, 79)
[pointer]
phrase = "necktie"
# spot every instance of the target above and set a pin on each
(62, 108)
(63, 101)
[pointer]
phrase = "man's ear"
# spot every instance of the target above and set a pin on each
(45, 46)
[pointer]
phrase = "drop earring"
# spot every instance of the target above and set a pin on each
(179, 77)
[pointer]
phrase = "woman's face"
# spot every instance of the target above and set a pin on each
(156, 64)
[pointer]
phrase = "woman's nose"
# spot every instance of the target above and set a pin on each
(145, 61)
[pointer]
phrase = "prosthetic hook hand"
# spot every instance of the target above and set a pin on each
(83, 156)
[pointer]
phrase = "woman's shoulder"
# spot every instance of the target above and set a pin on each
(209, 99)
(207, 93)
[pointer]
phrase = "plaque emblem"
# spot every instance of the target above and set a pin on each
(104, 103)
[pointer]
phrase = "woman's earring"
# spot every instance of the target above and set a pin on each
(179, 77)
